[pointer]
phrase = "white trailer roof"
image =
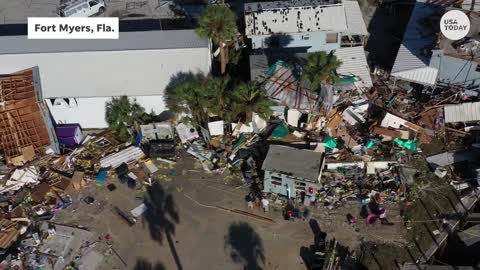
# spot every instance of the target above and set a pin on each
(127, 69)
(146, 40)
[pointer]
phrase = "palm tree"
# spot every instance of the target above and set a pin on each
(249, 98)
(220, 98)
(188, 98)
(122, 113)
(218, 24)
(320, 67)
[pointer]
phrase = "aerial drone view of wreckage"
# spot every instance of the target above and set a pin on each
(232, 145)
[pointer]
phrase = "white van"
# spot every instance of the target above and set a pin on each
(81, 8)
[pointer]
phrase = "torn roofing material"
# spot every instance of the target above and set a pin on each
(354, 63)
(22, 115)
(285, 88)
(300, 163)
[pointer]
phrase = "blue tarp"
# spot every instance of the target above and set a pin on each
(101, 177)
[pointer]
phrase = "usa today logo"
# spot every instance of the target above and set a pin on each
(454, 25)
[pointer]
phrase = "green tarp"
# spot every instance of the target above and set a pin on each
(273, 68)
(370, 144)
(345, 80)
(330, 142)
(280, 132)
(409, 144)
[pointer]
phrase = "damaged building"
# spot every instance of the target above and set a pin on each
(78, 77)
(25, 125)
(427, 58)
(290, 171)
(312, 25)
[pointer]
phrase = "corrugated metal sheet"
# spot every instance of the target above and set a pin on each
(354, 63)
(424, 75)
(418, 40)
(355, 22)
(301, 19)
(126, 155)
(464, 112)
(148, 40)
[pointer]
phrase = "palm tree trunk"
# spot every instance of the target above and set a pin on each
(223, 59)
(173, 250)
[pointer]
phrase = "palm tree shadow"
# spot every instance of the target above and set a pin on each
(162, 216)
(143, 264)
(245, 246)
(182, 77)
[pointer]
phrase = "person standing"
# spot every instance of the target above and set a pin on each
(265, 204)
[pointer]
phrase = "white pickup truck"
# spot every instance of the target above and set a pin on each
(81, 8)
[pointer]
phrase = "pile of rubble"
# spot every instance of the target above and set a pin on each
(32, 194)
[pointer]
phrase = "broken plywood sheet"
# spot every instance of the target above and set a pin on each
(77, 179)
(333, 124)
(39, 193)
(64, 184)
(401, 134)
(350, 142)
(27, 154)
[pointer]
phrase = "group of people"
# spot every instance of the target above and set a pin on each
(257, 201)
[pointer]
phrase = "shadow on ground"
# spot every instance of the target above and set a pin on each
(309, 255)
(386, 29)
(245, 246)
(162, 216)
(143, 264)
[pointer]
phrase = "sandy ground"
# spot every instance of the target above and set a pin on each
(206, 237)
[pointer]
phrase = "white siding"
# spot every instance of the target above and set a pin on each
(108, 73)
(90, 112)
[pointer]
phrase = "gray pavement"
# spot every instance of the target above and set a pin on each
(15, 12)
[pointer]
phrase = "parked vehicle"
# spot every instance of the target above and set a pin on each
(81, 8)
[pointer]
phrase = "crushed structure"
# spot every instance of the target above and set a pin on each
(25, 125)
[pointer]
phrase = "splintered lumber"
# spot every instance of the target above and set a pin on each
(8, 233)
